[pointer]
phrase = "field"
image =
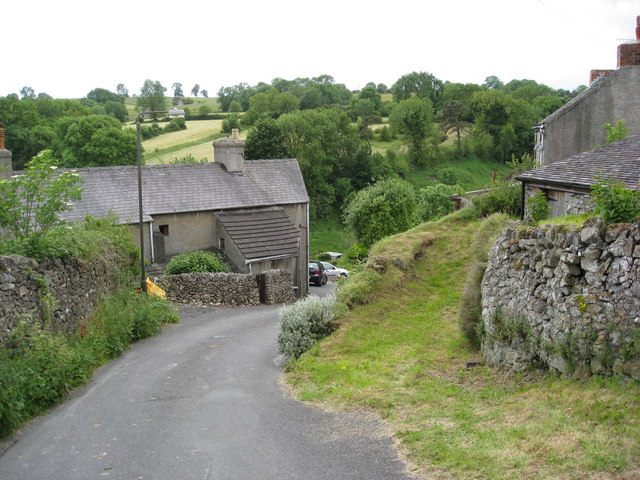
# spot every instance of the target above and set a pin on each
(130, 103)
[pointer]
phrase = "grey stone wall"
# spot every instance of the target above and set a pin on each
(271, 287)
(59, 292)
(564, 299)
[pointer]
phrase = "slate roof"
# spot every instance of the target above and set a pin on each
(191, 187)
(619, 161)
(260, 234)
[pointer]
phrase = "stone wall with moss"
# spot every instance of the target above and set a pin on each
(564, 298)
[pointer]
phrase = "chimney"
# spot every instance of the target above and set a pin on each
(5, 158)
(629, 53)
(229, 152)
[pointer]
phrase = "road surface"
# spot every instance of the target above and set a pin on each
(200, 401)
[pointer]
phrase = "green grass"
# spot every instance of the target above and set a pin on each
(329, 235)
(402, 356)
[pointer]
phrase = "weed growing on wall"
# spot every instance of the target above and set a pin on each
(538, 207)
(614, 202)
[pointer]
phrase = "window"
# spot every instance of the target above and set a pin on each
(164, 229)
(221, 244)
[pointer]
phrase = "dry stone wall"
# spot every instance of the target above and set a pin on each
(563, 298)
(62, 292)
(271, 287)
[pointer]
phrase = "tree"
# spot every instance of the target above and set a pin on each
(195, 90)
(204, 93)
(382, 88)
(414, 118)
(420, 84)
(122, 90)
(151, 96)
(435, 201)
(270, 104)
(30, 203)
(456, 108)
(235, 107)
(385, 208)
(102, 96)
(370, 93)
(95, 141)
(177, 90)
(117, 110)
(27, 92)
(265, 141)
(493, 83)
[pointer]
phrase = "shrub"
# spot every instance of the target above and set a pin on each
(502, 198)
(231, 122)
(147, 132)
(304, 324)
(435, 201)
(175, 125)
(538, 207)
(614, 202)
(448, 176)
(196, 262)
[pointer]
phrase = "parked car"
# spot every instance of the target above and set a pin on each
(334, 272)
(317, 275)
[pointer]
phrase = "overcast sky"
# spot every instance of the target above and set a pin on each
(67, 47)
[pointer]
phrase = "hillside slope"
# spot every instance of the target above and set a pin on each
(399, 353)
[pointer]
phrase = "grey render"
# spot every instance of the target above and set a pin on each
(567, 183)
(577, 126)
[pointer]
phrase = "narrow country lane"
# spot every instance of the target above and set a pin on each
(200, 401)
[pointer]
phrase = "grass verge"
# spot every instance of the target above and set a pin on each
(38, 366)
(400, 354)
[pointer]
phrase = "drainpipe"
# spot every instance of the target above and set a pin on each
(522, 202)
(153, 255)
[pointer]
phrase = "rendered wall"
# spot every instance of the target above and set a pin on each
(578, 126)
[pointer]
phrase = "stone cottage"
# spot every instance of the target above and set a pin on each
(255, 212)
(612, 95)
(567, 183)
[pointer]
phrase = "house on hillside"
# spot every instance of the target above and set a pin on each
(612, 95)
(255, 212)
(567, 183)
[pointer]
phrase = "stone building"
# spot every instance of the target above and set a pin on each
(612, 95)
(567, 183)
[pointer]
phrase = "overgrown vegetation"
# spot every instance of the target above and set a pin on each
(196, 262)
(39, 366)
(615, 202)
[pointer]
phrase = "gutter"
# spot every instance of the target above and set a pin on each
(264, 259)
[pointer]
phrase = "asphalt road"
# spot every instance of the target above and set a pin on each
(200, 401)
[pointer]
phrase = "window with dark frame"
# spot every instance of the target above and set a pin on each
(164, 229)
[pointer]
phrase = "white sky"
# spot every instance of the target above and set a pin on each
(68, 47)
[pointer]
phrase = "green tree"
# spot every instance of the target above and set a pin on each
(122, 90)
(265, 141)
(30, 203)
(435, 201)
(195, 90)
(414, 118)
(151, 96)
(493, 83)
(205, 93)
(27, 93)
(177, 90)
(117, 110)
(95, 141)
(370, 93)
(385, 208)
(382, 88)
(420, 84)
(235, 107)
(102, 96)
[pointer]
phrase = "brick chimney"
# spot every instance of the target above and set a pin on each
(229, 152)
(629, 53)
(5, 158)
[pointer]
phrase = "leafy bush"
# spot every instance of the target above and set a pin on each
(231, 122)
(448, 176)
(147, 132)
(175, 125)
(538, 207)
(38, 366)
(435, 201)
(614, 202)
(304, 324)
(196, 262)
(388, 207)
(502, 198)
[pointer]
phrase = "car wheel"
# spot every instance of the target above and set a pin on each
(324, 281)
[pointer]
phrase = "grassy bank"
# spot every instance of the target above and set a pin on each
(400, 354)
